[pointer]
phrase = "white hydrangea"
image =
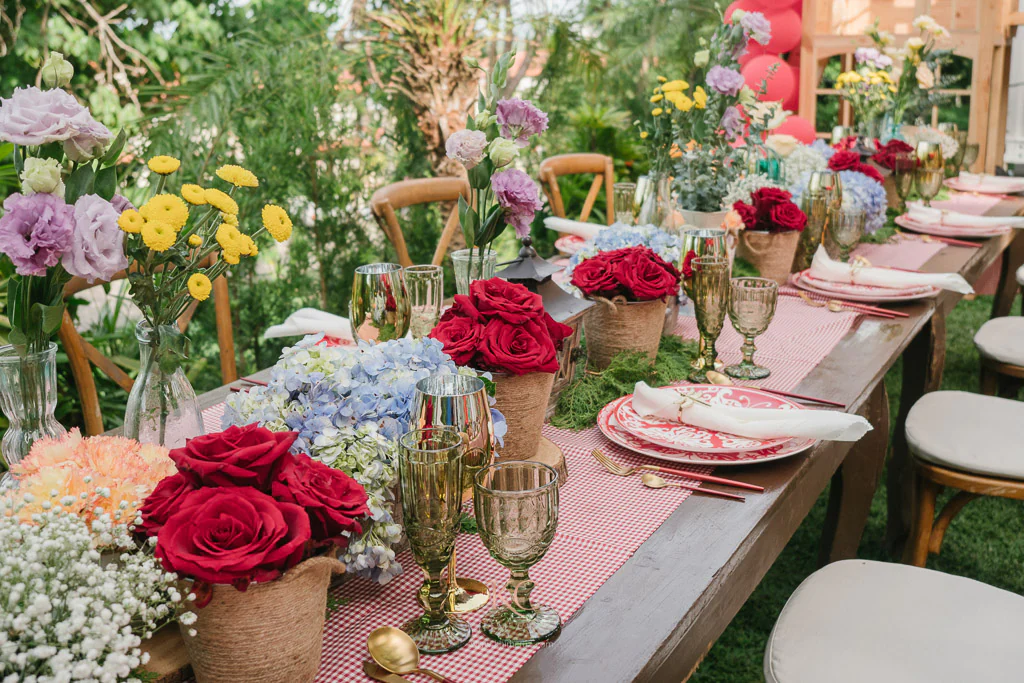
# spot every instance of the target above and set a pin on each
(65, 615)
(742, 188)
(803, 158)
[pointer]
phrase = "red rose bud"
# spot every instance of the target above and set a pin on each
(647, 276)
(238, 456)
(517, 349)
(688, 262)
(787, 217)
(748, 214)
(460, 337)
(594, 277)
(844, 161)
(163, 502)
(510, 301)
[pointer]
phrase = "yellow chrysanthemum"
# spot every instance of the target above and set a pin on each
(195, 241)
(230, 257)
(166, 208)
(199, 286)
(657, 111)
(661, 79)
(277, 222)
(643, 135)
(227, 237)
(683, 103)
(238, 176)
(158, 236)
(657, 98)
(674, 97)
(193, 194)
(229, 218)
(164, 165)
(675, 86)
(246, 245)
(131, 221)
(220, 200)
(700, 98)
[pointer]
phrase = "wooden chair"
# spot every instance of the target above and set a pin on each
(1000, 343)
(82, 355)
(574, 164)
(388, 199)
(968, 442)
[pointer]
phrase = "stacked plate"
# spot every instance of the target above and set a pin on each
(942, 230)
(849, 291)
(683, 443)
(569, 244)
(986, 184)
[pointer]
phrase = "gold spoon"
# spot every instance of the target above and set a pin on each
(833, 305)
(653, 481)
(716, 377)
(396, 652)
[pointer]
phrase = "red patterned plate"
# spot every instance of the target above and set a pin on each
(610, 428)
(681, 436)
(857, 292)
(951, 230)
(569, 244)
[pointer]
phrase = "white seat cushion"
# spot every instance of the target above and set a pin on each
(969, 432)
(1020, 276)
(873, 622)
(1002, 339)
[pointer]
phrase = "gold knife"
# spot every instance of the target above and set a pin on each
(378, 673)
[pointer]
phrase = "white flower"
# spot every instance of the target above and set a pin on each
(925, 77)
(57, 71)
(747, 96)
(467, 147)
(502, 151)
(701, 58)
(914, 44)
(770, 113)
(782, 144)
(885, 38)
(42, 176)
(742, 188)
(924, 23)
(737, 15)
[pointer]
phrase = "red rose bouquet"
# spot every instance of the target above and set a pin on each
(886, 154)
(501, 327)
(771, 209)
(242, 508)
(635, 273)
(850, 161)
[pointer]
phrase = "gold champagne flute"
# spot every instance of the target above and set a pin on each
(904, 172)
(822, 198)
(430, 463)
(516, 505)
(703, 242)
(752, 302)
(930, 170)
(847, 229)
(954, 163)
(710, 287)
(970, 155)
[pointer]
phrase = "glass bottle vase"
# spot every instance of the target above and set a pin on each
(162, 406)
(28, 397)
(469, 265)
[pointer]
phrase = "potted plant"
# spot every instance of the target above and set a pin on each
(631, 287)
(771, 229)
(502, 328)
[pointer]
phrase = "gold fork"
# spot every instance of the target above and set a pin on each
(624, 471)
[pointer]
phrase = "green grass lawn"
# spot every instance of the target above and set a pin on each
(985, 542)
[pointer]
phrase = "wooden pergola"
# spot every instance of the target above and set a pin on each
(980, 31)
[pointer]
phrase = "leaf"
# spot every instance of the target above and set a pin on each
(114, 151)
(19, 159)
(467, 219)
(490, 228)
(54, 150)
(50, 317)
(106, 182)
(79, 183)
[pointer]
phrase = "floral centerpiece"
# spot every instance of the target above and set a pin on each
(666, 245)
(62, 223)
(631, 286)
(916, 134)
(178, 245)
(502, 328)
(501, 195)
(772, 223)
(869, 90)
(850, 161)
(247, 522)
(887, 153)
(859, 192)
(918, 61)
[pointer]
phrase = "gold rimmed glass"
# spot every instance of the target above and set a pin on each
(426, 294)
(379, 309)
(930, 170)
(625, 209)
(904, 174)
(430, 463)
(516, 505)
(821, 199)
(703, 242)
(954, 163)
(710, 294)
(847, 228)
(970, 155)
(752, 302)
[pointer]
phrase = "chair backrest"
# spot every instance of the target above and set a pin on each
(390, 198)
(573, 164)
(82, 355)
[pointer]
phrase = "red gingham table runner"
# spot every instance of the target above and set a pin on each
(603, 519)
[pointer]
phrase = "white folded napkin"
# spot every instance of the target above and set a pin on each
(824, 268)
(753, 423)
(585, 230)
(928, 215)
(311, 321)
(994, 182)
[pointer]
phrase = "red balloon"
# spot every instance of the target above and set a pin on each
(792, 103)
(798, 127)
(745, 5)
(785, 31)
(780, 84)
(754, 49)
(778, 4)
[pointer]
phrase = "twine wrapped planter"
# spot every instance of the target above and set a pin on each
(618, 325)
(523, 400)
(771, 253)
(271, 633)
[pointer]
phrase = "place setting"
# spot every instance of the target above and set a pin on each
(948, 223)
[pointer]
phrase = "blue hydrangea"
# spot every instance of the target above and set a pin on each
(825, 149)
(859, 191)
(620, 236)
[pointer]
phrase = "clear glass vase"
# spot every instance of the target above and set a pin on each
(469, 265)
(162, 406)
(28, 397)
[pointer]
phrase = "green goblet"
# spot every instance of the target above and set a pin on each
(752, 302)
(710, 294)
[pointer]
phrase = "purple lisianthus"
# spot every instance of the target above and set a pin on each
(33, 117)
(468, 147)
(732, 122)
(121, 204)
(96, 251)
(756, 25)
(517, 195)
(724, 81)
(872, 57)
(35, 231)
(89, 142)
(519, 120)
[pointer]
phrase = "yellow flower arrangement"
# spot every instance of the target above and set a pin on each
(193, 194)
(158, 236)
(220, 200)
(675, 86)
(277, 222)
(237, 176)
(164, 165)
(131, 221)
(166, 208)
(199, 286)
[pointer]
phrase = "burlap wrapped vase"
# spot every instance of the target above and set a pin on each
(271, 633)
(617, 325)
(523, 400)
(770, 252)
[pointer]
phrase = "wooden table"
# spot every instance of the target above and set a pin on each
(659, 614)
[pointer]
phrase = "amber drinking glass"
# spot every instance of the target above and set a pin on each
(904, 173)
(710, 287)
(752, 302)
(970, 155)
(930, 170)
(845, 233)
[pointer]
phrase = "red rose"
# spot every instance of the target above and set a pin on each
(556, 330)
(513, 302)
(459, 335)
(234, 534)
(767, 197)
(594, 277)
(886, 155)
(647, 275)
(688, 261)
(163, 502)
(748, 214)
(517, 349)
(844, 161)
(786, 217)
(333, 500)
(849, 142)
(238, 456)
(463, 306)
(870, 171)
